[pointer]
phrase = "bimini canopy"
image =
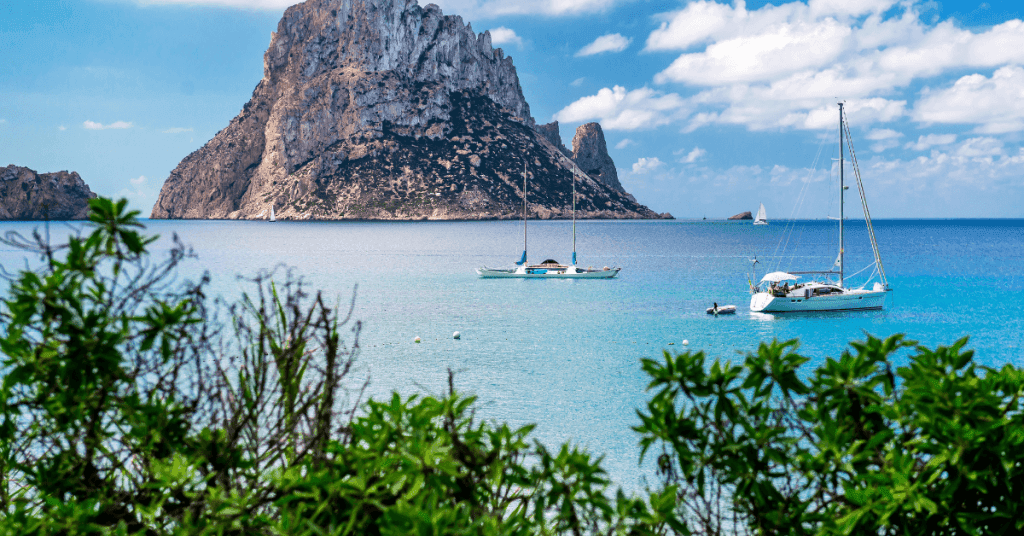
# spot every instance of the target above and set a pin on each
(776, 277)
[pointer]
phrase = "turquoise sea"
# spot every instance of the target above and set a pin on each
(565, 354)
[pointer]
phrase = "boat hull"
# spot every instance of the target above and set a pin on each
(492, 273)
(850, 300)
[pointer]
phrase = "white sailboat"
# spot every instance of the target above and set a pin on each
(549, 269)
(780, 292)
(762, 218)
(272, 217)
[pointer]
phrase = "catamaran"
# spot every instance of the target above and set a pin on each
(762, 218)
(779, 292)
(549, 268)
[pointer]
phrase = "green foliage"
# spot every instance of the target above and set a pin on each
(934, 448)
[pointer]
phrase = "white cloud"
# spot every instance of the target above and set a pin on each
(883, 134)
(606, 43)
(578, 82)
(924, 143)
(617, 109)
(62, 128)
(177, 130)
(980, 147)
(626, 142)
(646, 165)
(785, 66)
(505, 36)
(92, 125)
(2, 121)
(691, 156)
(772, 55)
(138, 181)
(884, 138)
(993, 104)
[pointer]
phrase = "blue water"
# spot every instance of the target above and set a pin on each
(565, 354)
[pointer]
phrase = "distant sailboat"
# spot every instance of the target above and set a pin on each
(272, 217)
(762, 218)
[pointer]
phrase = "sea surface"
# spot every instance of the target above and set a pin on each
(566, 354)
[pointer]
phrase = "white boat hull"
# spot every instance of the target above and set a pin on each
(848, 300)
(494, 273)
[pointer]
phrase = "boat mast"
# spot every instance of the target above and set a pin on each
(523, 261)
(574, 215)
(841, 197)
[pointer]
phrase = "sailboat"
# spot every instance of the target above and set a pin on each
(776, 294)
(549, 269)
(762, 218)
(272, 217)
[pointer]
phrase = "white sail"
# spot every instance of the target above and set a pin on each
(272, 218)
(762, 217)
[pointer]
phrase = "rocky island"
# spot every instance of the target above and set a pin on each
(27, 195)
(742, 216)
(385, 110)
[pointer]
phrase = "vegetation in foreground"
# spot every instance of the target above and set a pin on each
(132, 404)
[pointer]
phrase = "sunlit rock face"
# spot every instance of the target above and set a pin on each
(381, 109)
(27, 195)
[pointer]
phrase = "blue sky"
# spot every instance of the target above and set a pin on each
(708, 108)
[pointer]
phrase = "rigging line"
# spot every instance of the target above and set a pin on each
(864, 204)
(787, 232)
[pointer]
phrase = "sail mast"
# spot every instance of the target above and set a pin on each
(574, 215)
(523, 261)
(842, 216)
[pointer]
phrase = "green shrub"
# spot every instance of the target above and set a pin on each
(855, 448)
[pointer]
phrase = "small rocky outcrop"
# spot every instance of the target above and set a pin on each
(554, 136)
(382, 109)
(742, 216)
(27, 195)
(590, 152)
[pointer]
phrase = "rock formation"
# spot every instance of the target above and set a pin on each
(590, 153)
(381, 109)
(27, 195)
(742, 216)
(554, 136)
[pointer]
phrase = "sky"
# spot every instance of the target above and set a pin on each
(709, 108)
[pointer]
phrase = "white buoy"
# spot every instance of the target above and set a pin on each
(456, 335)
(416, 340)
(686, 342)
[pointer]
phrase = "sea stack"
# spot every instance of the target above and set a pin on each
(27, 195)
(382, 109)
(742, 216)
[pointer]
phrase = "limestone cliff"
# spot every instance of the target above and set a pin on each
(590, 153)
(381, 109)
(554, 136)
(27, 195)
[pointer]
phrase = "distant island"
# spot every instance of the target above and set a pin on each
(742, 216)
(385, 110)
(28, 195)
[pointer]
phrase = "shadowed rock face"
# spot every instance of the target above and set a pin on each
(27, 195)
(742, 216)
(377, 109)
(590, 153)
